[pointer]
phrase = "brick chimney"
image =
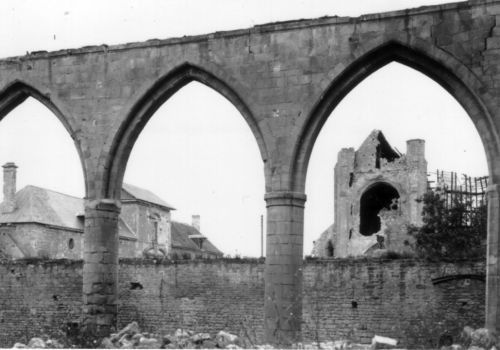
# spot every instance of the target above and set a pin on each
(196, 222)
(9, 187)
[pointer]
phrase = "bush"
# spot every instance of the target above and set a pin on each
(445, 234)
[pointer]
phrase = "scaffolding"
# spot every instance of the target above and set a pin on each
(465, 190)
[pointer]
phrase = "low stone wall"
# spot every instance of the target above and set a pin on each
(414, 301)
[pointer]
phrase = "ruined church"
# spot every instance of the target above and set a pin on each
(376, 191)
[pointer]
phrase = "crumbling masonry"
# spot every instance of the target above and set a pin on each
(285, 79)
(376, 198)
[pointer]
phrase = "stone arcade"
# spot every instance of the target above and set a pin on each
(285, 79)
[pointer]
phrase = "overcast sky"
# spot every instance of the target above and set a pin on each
(201, 157)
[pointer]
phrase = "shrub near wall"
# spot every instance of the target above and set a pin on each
(414, 301)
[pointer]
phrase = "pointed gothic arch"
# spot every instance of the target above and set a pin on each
(150, 102)
(434, 63)
(18, 91)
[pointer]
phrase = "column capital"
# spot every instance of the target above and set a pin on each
(285, 198)
(104, 204)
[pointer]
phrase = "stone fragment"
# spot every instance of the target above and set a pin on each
(126, 344)
(380, 342)
(200, 337)
(209, 344)
(124, 338)
(167, 339)
(37, 343)
(131, 329)
(149, 343)
(54, 344)
(483, 338)
(466, 335)
(19, 346)
(232, 346)
(182, 333)
(106, 343)
(451, 347)
(224, 338)
(136, 338)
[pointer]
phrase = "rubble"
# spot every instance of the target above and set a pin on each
(131, 337)
(379, 342)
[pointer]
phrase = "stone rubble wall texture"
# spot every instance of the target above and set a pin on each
(393, 298)
(285, 79)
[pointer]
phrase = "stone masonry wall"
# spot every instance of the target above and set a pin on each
(41, 241)
(342, 298)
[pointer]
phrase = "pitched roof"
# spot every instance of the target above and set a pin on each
(145, 195)
(41, 205)
(180, 238)
(36, 204)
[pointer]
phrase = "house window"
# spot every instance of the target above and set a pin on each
(155, 218)
(71, 243)
(329, 249)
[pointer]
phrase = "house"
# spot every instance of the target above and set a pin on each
(37, 222)
(376, 191)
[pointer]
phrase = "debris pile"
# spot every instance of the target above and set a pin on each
(131, 337)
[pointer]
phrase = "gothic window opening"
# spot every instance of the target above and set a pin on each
(374, 199)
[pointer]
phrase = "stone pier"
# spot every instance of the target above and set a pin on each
(283, 275)
(100, 269)
(492, 263)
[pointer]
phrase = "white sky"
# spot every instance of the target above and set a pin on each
(183, 153)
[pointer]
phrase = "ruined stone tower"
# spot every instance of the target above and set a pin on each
(376, 191)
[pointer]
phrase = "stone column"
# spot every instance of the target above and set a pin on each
(492, 262)
(283, 274)
(100, 269)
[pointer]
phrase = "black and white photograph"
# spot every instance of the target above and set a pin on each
(250, 174)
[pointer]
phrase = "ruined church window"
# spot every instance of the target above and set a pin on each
(377, 197)
(329, 249)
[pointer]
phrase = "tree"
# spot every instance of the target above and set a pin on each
(450, 233)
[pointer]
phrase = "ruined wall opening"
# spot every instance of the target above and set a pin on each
(377, 197)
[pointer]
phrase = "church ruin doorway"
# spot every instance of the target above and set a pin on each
(377, 197)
